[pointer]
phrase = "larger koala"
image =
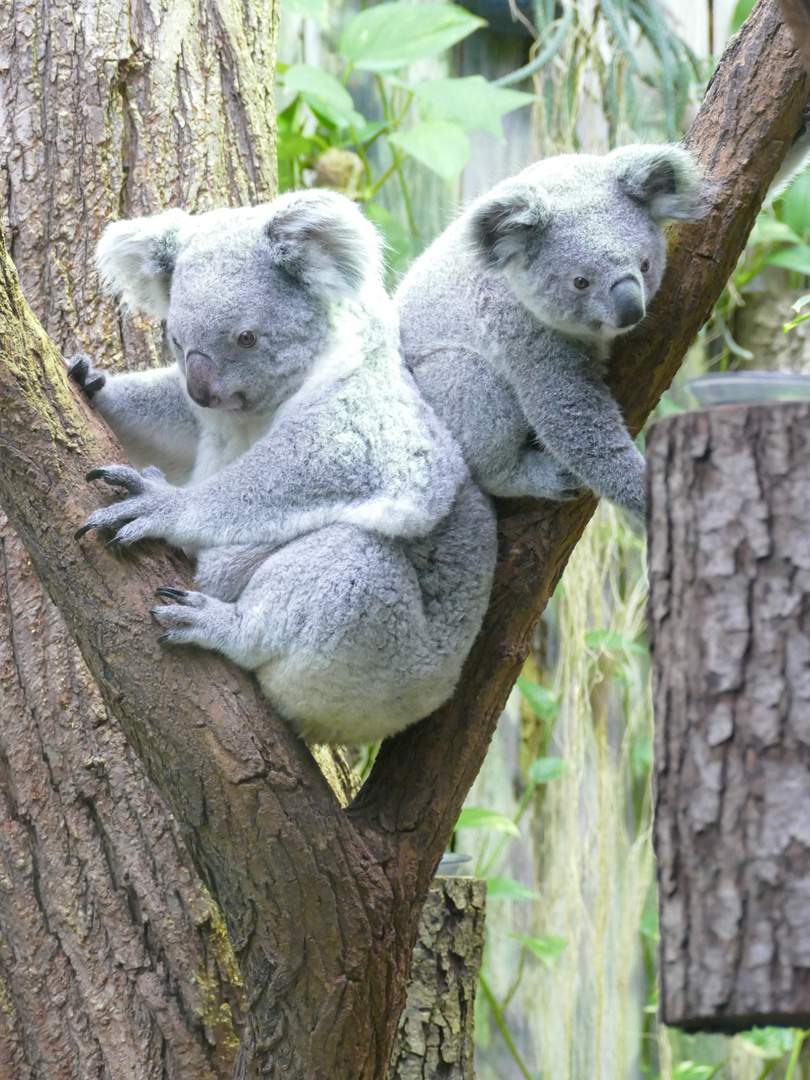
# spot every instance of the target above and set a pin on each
(342, 551)
(508, 319)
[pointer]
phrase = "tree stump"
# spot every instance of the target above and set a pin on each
(435, 1036)
(729, 621)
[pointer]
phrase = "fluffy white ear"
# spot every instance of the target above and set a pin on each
(502, 224)
(135, 259)
(323, 240)
(666, 179)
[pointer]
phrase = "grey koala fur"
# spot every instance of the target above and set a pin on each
(508, 319)
(343, 552)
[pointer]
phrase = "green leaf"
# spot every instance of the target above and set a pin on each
(649, 924)
(546, 949)
(610, 641)
(293, 145)
(546, 769)
(397, 238)
(506, 888)
(472, 817)
(795, 258)
(543, 703)
(768, 1043)
(317, 10)
(795, 206)
(442, 146)
(641, 756)
(324, 95)
(688, 1070)
(386, 37)
(768, 230)
(471, 102)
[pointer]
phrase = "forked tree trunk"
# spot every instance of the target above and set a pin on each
(322, 905)
(114, 960)
(730, 631)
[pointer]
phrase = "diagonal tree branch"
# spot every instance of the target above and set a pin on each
(741, 133)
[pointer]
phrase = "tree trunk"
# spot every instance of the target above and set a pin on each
(435, 1037)
(729, 620)
(322, 905)
(114, 960)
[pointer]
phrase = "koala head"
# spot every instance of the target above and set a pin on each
(249, 295)
(581, 238)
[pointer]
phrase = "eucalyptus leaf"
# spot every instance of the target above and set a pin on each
(470, 101)
(795, 258)
(543, 703)
(387, 37)
(546, 769)
(547, 949)
(472, 817)
(506, 888)
(440, 145)
(768, 230)
(796, 205)
(327, 98)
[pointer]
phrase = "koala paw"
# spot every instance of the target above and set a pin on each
(201, 620)
(567, 487)
(148, 511)
(87, 377)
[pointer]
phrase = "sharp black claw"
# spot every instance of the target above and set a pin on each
(81, 532)
(164, 638)
(172, 593)
(94, 386)
(95, 474)
(114, 543)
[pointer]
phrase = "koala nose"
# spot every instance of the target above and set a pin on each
(628, 302)
(201, 380)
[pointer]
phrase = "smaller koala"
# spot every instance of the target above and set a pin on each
(508, 319)
(342, 550)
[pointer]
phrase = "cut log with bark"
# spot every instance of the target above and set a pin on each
(435, 1036)
(729, 621)
(322, 904)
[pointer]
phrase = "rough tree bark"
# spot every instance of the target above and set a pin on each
(729, 620)
(113, 957)
(435, 1036)
(321, 904)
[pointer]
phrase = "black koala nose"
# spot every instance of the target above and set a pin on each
(201, 379)
(628, 302)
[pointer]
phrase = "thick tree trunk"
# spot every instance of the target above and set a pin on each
(322, 905)
(729, 622)
(114, 961)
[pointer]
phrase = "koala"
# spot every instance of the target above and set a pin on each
(342, 551)
(508, 319)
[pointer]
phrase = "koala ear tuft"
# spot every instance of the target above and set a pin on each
(502, 223)
(666, 179)
(135, 259)
(323, 240)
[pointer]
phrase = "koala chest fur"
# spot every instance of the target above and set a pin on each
(509, 318)
(342, 551)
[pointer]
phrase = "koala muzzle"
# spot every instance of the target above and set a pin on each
(203, 385)
(628, 302)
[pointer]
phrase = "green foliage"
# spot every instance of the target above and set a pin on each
(388, 37)
(472, 817)
(543, 703)
(506, 888)
(777, 256)
(546, 769)
(428, 121)
(547, 949)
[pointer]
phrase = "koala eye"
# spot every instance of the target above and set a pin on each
(247, 339)
(177, 344)
(645, 265)
(581, 283)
